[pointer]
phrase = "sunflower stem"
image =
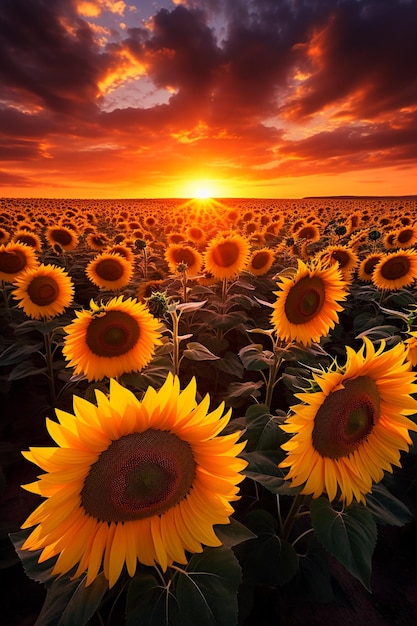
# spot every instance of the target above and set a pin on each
(50, 366)
(175, 341)
(292, 516)
(5, 294)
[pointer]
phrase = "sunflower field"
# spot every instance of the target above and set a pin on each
(209, 410)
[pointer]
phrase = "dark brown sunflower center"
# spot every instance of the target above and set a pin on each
(394, 268)
(112, 334)
(109, 269)
(43, 290)
(12, 262)
(61, 236)
(305, 300)
(346, 418)
(405, 235)
(183, 255)
(139, 475)
(28, 239)
(260, 260)
(370, 264)
(341, 257)
(226, 254)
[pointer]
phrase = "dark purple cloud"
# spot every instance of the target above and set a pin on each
(239, 72)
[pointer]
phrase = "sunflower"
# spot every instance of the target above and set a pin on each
(395, 270)
(310, 232)
(30, 239)
(4, 236)
(44, 292)
(111, 339)
(226, 255)
(133, 481)
(411, 344)
(307, 306)
(97, 241)
(260, 261)
(62, 236)
(406, 237)
(109, 270)
(147, 288)
(352, 429)
(15, 258)
(343, 256)
(181, 253)
(367, 266)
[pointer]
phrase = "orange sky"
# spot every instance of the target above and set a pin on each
(234, 98)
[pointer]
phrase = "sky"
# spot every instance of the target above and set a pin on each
(222, 98)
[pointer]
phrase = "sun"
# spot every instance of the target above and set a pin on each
(202, 193)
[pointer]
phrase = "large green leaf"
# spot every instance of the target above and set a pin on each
(84, 602)
(233, 534)
(349, 535)
(197, 352)
(149, 603)
(263, 468)
(386, 508)
(255, 358)
(268, 560)
(263, 432)
(207, 589)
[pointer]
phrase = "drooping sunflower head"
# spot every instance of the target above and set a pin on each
(307, 304)
(109, 271)
(133, 481)
(111, 339)
(177, 254)
(395, 270)
(44, 292)
(353, 425)
(226, 255)
(16, 258)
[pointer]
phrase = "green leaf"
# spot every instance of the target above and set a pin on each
(268, 560)
(230, 364)
(40, 572)
(255, 358)
(207, 589)
(150, 604)
(315, 573)
(263, 468)
(84, 602)
(58, 595)
(233, 534)
(197, 352)
(227, 321)
(386, 508)
(240, 390)
(349, 535)
(23, 370)
(188, 307)
(17, 352)
(263, 432)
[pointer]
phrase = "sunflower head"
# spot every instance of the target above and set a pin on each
(133, 481)
(110, 270)
(352, 426)
(16, 258)
(226, 255)
(111, 339)
(395, 270)
(44, 292)
(307, 303)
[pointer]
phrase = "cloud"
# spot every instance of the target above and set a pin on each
(264, 86)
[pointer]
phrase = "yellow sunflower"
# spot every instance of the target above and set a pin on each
(30, 239)
(367, 266)
(62, 236)
(181, 253)
(260, 261)
(44, 292)
(109, 270)
(395, 270)
(226, 255)
(111, 339)
(15, 258)
(348, 433)
(343, 256)
(411, 344)
(307, 306)
(133, 481)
